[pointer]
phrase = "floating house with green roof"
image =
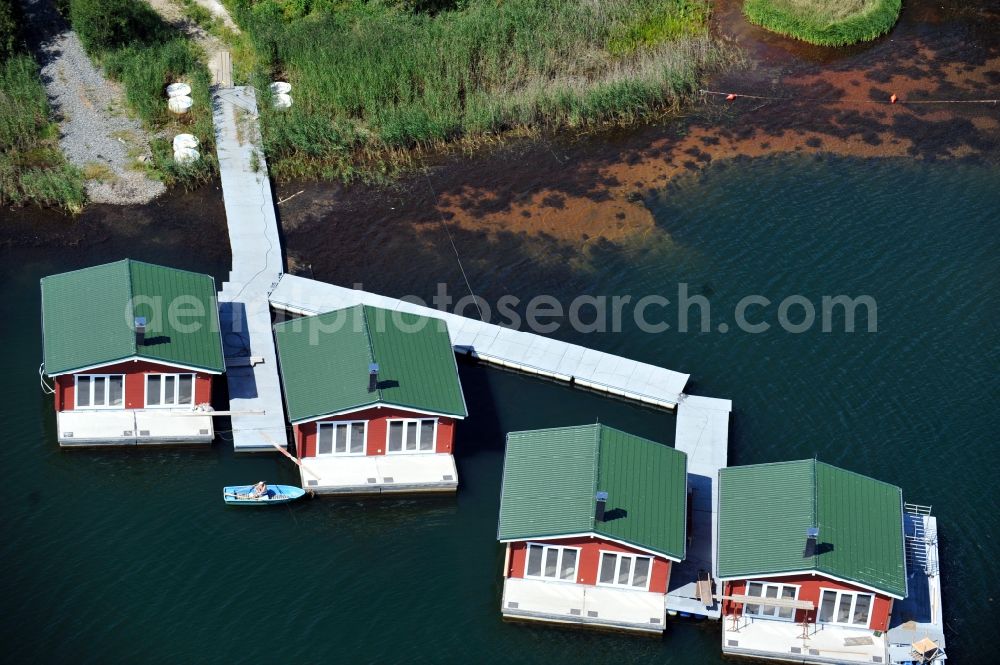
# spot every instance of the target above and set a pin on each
(809, 549)
(132, 349)
(373, 396)
(593, 520)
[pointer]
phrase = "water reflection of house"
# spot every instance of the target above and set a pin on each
(812, 558)
(133, 349)
(593, 520)
(373, 396)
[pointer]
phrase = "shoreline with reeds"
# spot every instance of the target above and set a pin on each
(378, 88)
(469, 74)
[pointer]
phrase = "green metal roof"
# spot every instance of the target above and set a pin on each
(88, 316)
(324, 363)
(551, 478)
(765, 510)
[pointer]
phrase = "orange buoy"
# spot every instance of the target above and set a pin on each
(730, 97)
(892, 100)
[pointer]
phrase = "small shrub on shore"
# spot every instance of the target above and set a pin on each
(32, 168)
(106, 25)
(825, 22)
(372, 81)
(146, 71)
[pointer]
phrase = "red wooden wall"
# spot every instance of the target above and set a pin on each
(135, 383)
(589, 561)
(809, 589)
(377, 417)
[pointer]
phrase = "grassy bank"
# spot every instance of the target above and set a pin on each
(376, 82)
(138, 49)
(32, 168)
(825, 22)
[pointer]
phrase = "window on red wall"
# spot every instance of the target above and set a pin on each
(411, 435)
(342, 438)
(166, 390)
(625, 570)
(771, 590)
(551, 562)
(99, 391)
(845, 608)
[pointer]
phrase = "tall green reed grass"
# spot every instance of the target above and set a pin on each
(32, 168)
(373, 81)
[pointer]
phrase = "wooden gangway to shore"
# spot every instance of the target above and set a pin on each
(258, 420)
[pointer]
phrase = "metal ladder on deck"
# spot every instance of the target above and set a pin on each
(917, 543)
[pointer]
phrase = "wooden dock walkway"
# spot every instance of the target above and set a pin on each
(702, 433)
(501, 346)
(254, 387)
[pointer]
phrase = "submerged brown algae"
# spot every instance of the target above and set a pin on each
(558, 197)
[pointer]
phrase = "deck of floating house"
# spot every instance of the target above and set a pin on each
(920, 614)
(258, 420)
(133, 426)
(828, 644)
(580, 604)
(380, 474)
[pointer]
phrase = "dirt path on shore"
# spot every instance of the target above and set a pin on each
(96, 133)
(173, 13)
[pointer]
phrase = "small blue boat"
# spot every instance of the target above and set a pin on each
(242, 495)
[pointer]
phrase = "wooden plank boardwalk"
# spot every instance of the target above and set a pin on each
(254, 388)
(703, 434)
(497, 345)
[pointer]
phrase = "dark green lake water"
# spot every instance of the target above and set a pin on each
(131, 556)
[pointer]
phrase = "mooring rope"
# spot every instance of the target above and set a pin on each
(46, 388)
(454, 248)
(893, 99)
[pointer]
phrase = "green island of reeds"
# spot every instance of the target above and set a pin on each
(825, 22)
(374, 84)
(32, 168)
(145, 54)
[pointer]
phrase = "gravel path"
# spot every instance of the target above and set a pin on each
(173, 13)
(96, 133)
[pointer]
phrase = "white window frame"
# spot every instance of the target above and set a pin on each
(405, 421)
(838, 594)
(107, 392)
(773, 609)
(619, 556)
(349, 424)
(562, 549)
(163, 386)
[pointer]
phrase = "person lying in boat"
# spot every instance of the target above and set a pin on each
(259, 490)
